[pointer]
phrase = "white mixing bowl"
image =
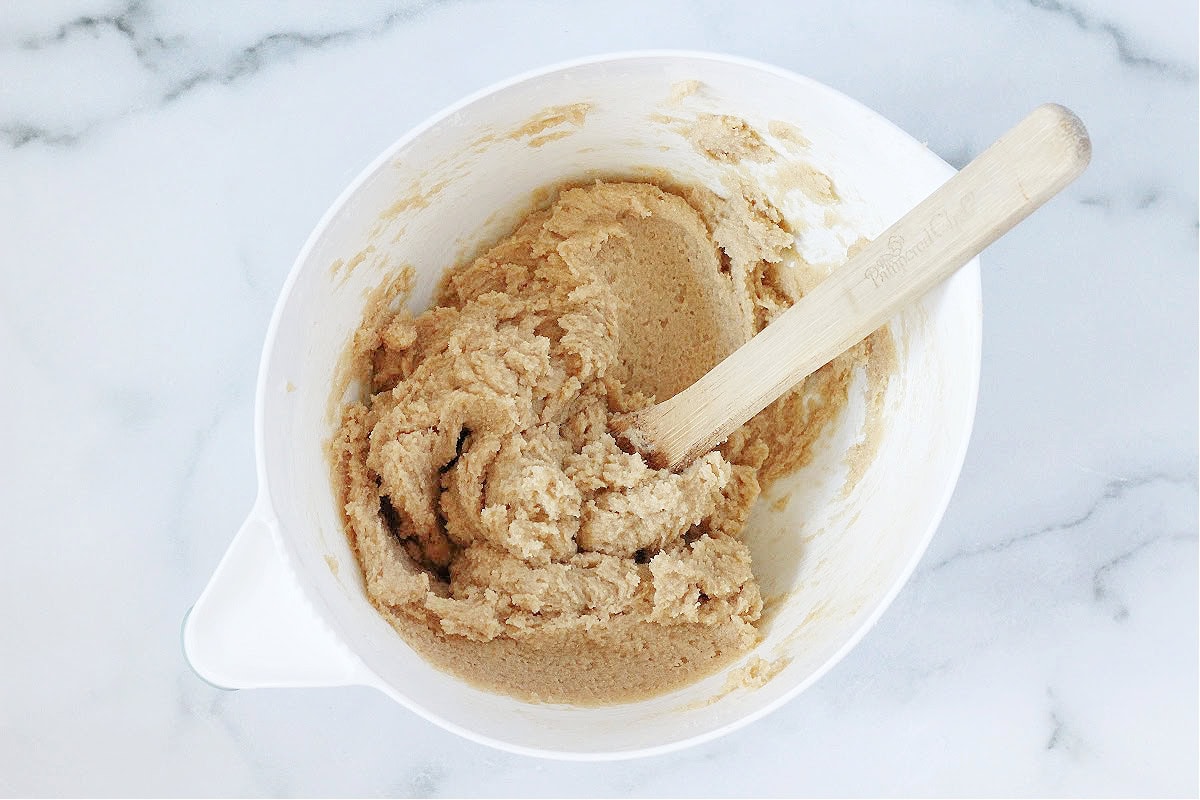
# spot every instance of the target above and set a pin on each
(287, 606)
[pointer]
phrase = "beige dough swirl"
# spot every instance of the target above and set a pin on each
(500, 528)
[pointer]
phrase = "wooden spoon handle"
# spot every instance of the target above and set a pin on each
(1021, 171)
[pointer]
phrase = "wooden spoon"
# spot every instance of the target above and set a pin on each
(1021, 171)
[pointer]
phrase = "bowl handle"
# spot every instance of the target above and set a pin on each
(253, 626)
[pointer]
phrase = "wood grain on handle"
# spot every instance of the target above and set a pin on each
(1021, 171)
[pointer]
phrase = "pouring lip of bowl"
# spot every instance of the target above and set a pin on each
(969, 273)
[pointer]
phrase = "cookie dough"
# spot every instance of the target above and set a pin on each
(499, 527)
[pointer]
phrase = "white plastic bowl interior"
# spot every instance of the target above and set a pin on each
(286, 606)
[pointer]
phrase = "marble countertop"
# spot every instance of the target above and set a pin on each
(162, 161)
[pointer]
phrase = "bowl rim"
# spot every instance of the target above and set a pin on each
(969, 273)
